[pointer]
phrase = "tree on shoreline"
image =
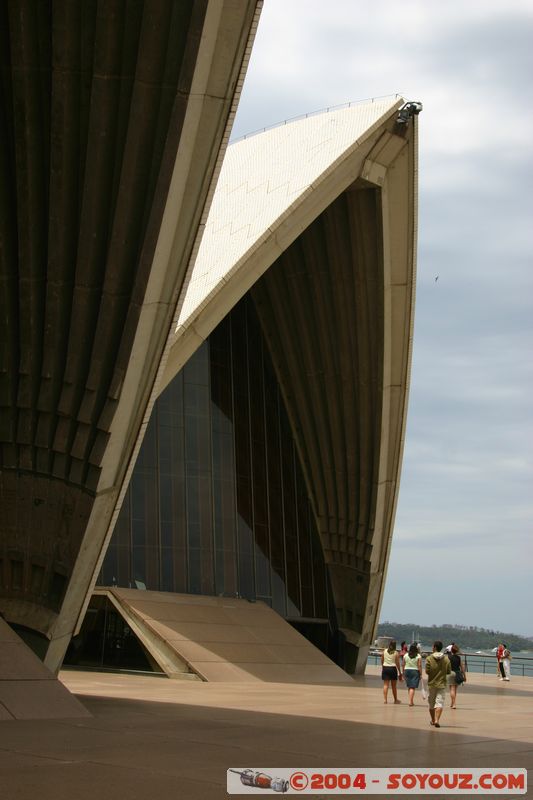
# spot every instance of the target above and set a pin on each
(467, 637)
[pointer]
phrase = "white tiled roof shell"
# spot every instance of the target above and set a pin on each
(263, 178)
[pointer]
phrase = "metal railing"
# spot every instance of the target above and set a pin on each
(479, 663)
(326, 110)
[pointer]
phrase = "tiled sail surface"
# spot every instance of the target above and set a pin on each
(262, 179)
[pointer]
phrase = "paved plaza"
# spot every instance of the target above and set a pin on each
(151, 737)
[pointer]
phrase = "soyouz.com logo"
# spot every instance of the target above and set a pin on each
(409, 780)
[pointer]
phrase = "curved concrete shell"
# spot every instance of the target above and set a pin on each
(114, 118)
(318, 219)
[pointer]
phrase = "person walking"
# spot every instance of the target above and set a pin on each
(499, 658)
(437, 669)
(457, 676)
(506, 663)
(391, 671)
(412, 671)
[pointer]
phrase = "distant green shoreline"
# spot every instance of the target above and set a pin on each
(465, 637)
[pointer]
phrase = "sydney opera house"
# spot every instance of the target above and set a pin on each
(205, 355)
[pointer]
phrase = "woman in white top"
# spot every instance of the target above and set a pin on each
(506, 659)
(412, 670)
(391, 670)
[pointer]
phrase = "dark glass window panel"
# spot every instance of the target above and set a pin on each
(319, 579)
(138, 565)
(147, 458)
(258, 433)
(195, 570)
(205, 516)
(220, 583)
(262, 543)
(197, 444)
(221, 377)
(193, 512)
(292, 609)
(262, 567)
(305, 523)
(170, 404)
(279, 594)
(124, 557)
(171, 451)
(196, 370)
(242, 438)
(245, 537)
(277, 538)
(246, 559)
(246, 576)
(108, 574)
(179, 560)
(230, 573)
(275, 500)
(122, 531)
(166, 454)
(244, 498)
(196, 400)
(291, 531)
(152, 569)
(171, 502)
(167, 570)
(224, 514)
(137, 531)
(138, 499)
(241, 394)
(308, 608)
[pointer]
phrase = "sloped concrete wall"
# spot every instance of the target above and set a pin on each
(28, 690)
(228, 639)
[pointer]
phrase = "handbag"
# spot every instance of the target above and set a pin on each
(423, 690)
(459, 677)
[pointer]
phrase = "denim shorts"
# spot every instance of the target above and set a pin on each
(412, 678)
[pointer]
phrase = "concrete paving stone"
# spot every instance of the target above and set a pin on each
(106, 782)
(39, 699)
(4, 713)
(148, 739)
(10, 760)
(260, 672)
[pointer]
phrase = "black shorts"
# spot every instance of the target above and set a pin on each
(389, 674)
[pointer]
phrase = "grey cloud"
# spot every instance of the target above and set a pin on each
(489, 54)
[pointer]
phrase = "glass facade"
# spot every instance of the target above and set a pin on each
(217, 504)
(107, 642)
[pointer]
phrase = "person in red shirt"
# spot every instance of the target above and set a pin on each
(499, 656)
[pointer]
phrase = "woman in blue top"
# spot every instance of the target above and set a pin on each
(412, 670)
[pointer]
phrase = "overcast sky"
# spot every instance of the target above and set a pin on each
(463, 541)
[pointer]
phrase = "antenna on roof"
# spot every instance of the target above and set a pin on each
(408, 110)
